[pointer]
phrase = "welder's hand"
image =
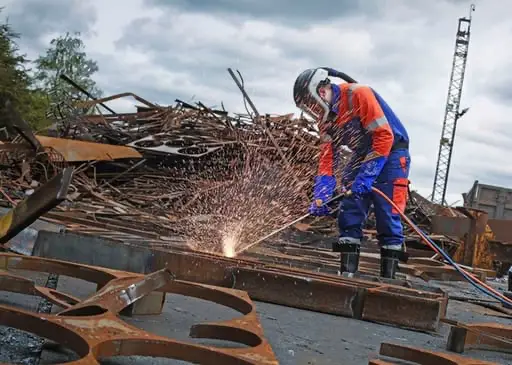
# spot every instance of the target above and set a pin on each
(322, 192)
(317, 208)
(368, 173)
(360, 187)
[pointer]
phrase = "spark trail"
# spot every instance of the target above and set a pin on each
(261, 196)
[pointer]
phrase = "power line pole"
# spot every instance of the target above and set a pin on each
(452, 113)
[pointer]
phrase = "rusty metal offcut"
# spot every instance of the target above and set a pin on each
(28, 210)
(421, 356)
(77, 151)
(92, 329)
(486, 336)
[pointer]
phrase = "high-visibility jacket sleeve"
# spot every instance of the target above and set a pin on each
(327, 153)
(374, 121)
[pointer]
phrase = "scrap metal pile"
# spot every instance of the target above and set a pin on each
(155, 169)
(217, 180)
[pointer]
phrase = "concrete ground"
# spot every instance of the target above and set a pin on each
(297, 337)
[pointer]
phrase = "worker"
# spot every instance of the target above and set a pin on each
(353, 115)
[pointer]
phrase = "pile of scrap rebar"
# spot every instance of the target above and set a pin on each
(167, 170)
(155, 166)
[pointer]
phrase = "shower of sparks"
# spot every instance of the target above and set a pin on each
(260, 196)
(231, 237)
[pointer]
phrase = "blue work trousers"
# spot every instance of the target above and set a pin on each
(393, 182)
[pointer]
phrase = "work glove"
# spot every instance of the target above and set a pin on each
(368, 172)
(322, 192)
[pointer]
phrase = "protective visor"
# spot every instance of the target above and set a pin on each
(314, 105)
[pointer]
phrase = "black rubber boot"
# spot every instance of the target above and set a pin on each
(389, 262)
(349, 258)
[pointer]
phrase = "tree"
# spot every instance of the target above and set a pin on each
(67, 56)
(15, 82)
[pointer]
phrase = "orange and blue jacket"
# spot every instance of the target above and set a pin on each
(365, 124)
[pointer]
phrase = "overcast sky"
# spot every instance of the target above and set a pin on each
(163, 49)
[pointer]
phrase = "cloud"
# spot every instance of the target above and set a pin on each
(165, 50)
(288, 11)
(36, 19)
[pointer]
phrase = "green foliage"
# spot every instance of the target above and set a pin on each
(32, 94)
(34, 109)
(13, 78)
(67, 56)
(15, 82)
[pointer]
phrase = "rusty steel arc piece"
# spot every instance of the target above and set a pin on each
(102, 336)
(17, 284)
(92, 329)
(422, 356)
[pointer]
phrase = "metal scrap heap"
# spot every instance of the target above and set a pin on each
(158, 165)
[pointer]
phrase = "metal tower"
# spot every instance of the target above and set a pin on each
(452, 113)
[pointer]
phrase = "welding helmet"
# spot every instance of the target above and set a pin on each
(310, 94)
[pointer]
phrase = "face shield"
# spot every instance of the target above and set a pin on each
(310, 94)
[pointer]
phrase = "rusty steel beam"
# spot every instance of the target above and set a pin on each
(355, 298)
(93, 330)
(73, 150)
(475, 232)
(326, 261)
(41, 201)
(485, 336)
(422, 356)
(303, 289)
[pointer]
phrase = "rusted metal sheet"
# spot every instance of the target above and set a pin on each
(459, 226)
(502, 229)
(422, 356)
(77, 151)
(475, 231)
(17, 284)
(93, 330)
(450, 226)
(475, 250)
(484, 336)
(42, 200)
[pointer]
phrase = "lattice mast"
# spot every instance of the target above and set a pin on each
(452, 113)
